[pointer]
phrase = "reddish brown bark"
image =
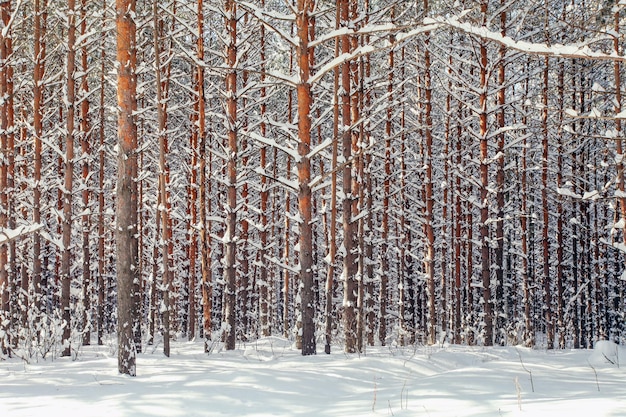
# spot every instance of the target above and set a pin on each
(499, 312)
(68, 179)
(429, 243)
(163, 215)
(192, 207)
(205, 254)
(126, 196)
(101, 164)
(85, 139)
(230, 273)
(560, 313)
(529, 331)
(305, 99)
(332, 230)
(617, 79)
(5, 10)
(38, 99)
(384, 255)
(484, 192)
(458, 226)
(547, 291)
(264, 284)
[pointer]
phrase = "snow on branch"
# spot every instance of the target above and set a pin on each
(7, 27)
(293, 153)
(615, 245)
(577, 50)
(370, 49)
(9, 235)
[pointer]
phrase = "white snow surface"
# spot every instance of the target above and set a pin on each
(270, 378)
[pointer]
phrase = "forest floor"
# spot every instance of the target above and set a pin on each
(270, 378)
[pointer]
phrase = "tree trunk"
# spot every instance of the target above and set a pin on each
(499, 310)
(126, 212)
(163, 206)
(5, 309)
(350, 233)
(70, 99)
(484, 194)
(264, 284)
(527, 293)
(429, 243)
(205, 247)
(305, 99)
(332, 229)
(40, 14)
(230, 272)
(618, 128)
(547, 291)
(85, 139)
(385, 244)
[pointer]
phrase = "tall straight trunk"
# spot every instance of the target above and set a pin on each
(350, 264)
(384, 248)
(163, 215)
(559, 211)
(264, 283)
(192, 204)
(429, 243)
(529, 332)
(458, 226)
(244, 292)
(447, 302)
(484, 194)
(305, 99)
(354, 339)
(38, 102)
(547, 291)
(617, 79)
(10, 151)
(24, 297)
(68, 179)
(126, 211)
(407, 300)
(361, 204)
(499, 304)
(230, 272)
(5, 11)
(470, 320)
(205, 246)
(287, 234)
(85, 139)
(332, 229)
(369, 277)
(101, 165)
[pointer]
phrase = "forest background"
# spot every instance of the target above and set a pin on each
(354, 172)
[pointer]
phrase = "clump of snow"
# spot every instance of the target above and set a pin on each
(607, 353)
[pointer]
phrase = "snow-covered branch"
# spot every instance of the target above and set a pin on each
(9, 235)
(575, 51)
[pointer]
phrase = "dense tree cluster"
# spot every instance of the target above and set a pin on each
(354, 172)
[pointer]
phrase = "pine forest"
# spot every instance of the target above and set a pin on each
(342, 174)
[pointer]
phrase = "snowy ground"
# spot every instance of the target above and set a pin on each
(270, 378)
